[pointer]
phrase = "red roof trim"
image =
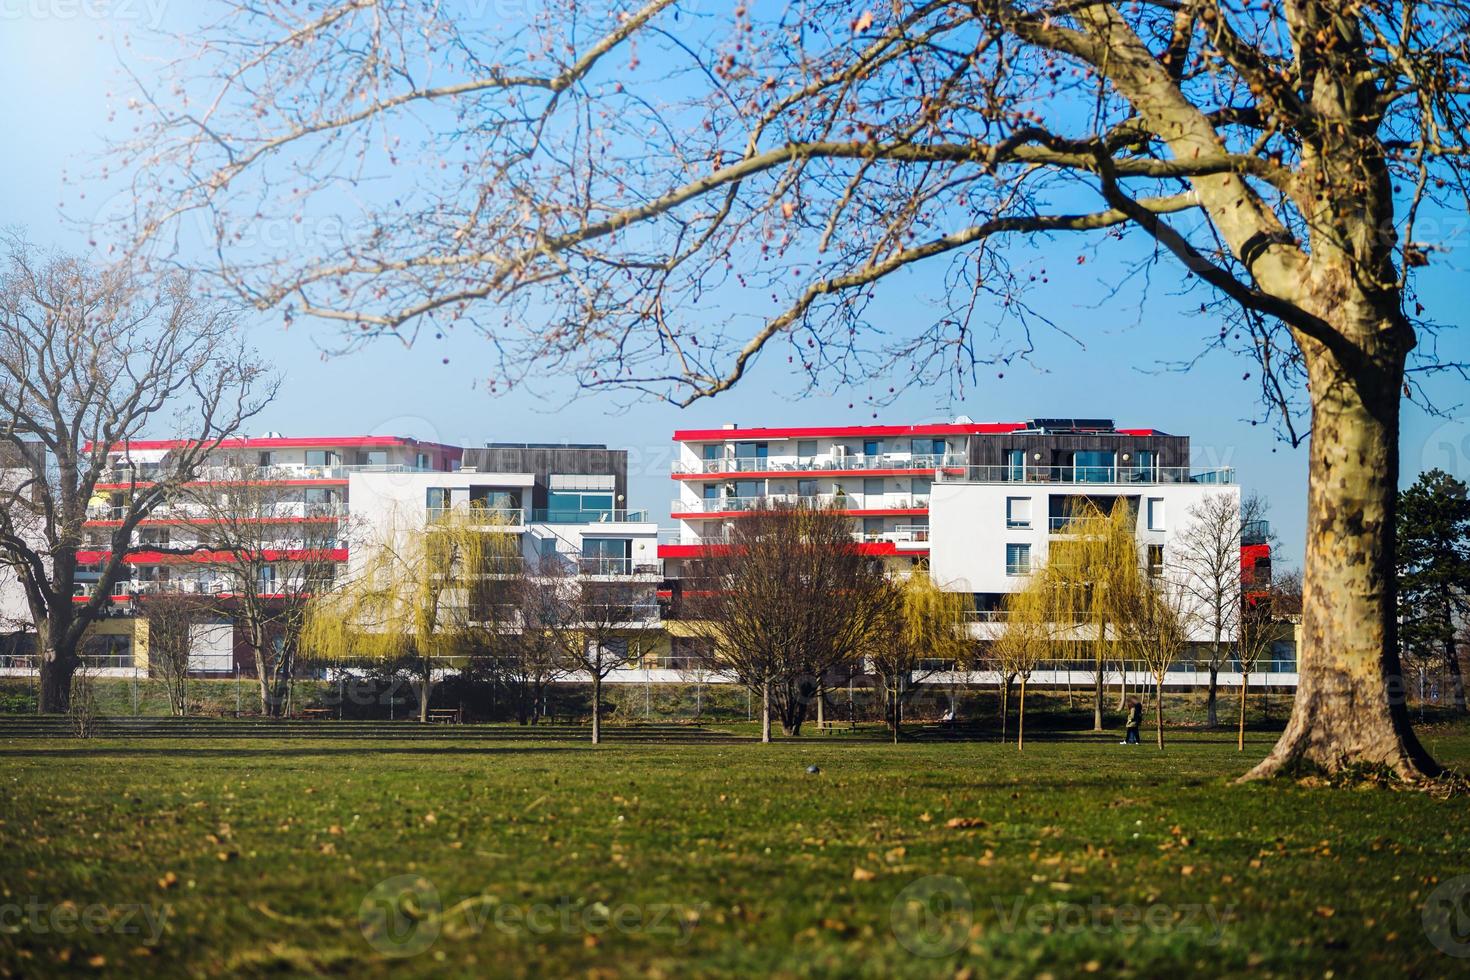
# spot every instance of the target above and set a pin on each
(292, 442)
(847, 431)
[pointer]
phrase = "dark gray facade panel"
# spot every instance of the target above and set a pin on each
(543, 461)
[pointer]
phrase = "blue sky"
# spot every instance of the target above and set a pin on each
(56, 71)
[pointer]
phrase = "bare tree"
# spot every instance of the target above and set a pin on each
(1208, 560)
(509, 630)
(172, 618)
(89, 360)
(788, 599)
(1262, 623)
(601, 624)
(620, 174)
(920, 631)
(1156, 632)
(266, 552)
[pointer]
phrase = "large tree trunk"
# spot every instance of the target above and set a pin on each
(1349, 708)
(57, 670)
(58, 663)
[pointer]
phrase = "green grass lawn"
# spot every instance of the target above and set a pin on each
(559, 859)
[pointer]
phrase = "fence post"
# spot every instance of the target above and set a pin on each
(237, 691)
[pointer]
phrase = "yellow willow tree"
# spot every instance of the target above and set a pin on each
(1095, 572)
(1155, 631)
(1028, 637)
(410, 594)
(920, 632)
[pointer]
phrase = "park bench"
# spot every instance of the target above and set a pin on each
(447, 716)
(314, 713)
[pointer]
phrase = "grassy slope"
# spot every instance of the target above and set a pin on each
(1305, 878)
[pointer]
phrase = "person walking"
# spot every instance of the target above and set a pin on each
(1135, 719)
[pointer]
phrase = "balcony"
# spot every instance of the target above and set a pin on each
(542, 515)
(619, 568)
(817, 464)
(913, 536)
(506, 517)
(186, 513)
(1089, 475)
(845, 502)
(122, 475)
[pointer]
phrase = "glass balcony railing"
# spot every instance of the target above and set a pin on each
(1088, 475)
(617, 567)
(469, 514)
(543, 515)
(278, 471)
(762, 464)
(717, 505)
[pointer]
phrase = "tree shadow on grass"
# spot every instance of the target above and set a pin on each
(282, 751)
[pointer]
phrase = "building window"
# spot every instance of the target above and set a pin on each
(750, 488)
(436, 498)
(320, 457)
(1016, 465)
(806, 488)
(607, 556)
(1094, 466)
(422, 461)
(873, 447)
(1156, 513)
(321, 495)
(267, 458)
(872, 527)
(1018, 559)
(806, 448)
(921, 487)
(711, 491)
(372, 457)
(712, 450)
(873, 487)
(1146, 466)
(575, 507)
(927, 447)
(1018, 512)
(1155, 560)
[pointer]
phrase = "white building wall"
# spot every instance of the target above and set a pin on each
(969, 532)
